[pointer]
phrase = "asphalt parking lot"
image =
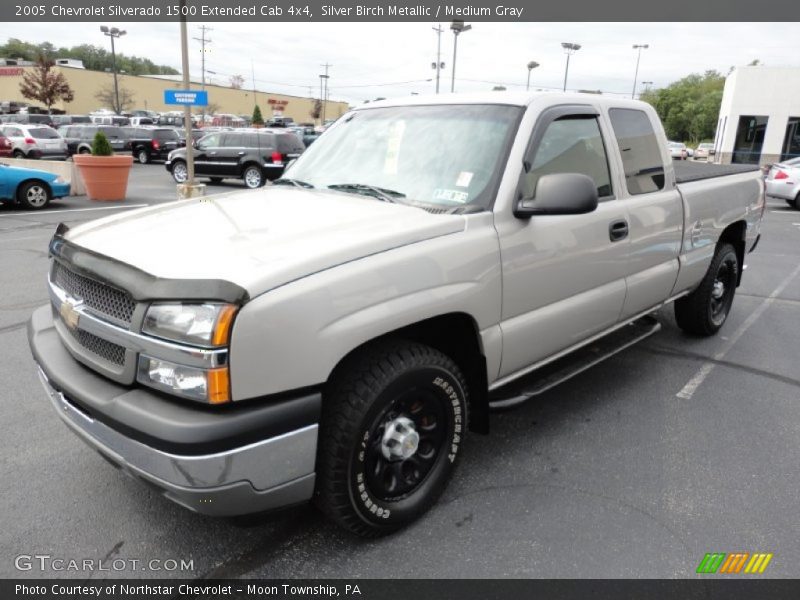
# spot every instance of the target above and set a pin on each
(636, 468)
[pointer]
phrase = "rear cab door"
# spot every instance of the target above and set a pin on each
(655, 209)
(563, 275)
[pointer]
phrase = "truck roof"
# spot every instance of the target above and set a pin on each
(509, 98)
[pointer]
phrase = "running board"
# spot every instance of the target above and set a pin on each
(559, 371)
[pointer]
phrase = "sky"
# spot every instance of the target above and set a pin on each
(371, 60)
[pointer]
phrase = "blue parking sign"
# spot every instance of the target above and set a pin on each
(186, 97)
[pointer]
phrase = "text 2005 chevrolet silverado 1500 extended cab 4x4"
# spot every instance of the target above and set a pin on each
(334, 336)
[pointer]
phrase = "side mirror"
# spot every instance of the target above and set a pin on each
(559, 194)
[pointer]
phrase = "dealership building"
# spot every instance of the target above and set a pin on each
(148, 93)
(759, 119)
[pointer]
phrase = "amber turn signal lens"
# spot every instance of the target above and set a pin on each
(219, 389)
(222, 329)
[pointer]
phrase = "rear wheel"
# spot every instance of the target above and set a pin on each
(392, 426)
(143, 156)
(797, 201)
(179, 171)
(18, 154)
(253, 177)
(704, 311)
(84, 151)
(34, 195)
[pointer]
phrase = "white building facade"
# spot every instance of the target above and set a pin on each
(759, 119)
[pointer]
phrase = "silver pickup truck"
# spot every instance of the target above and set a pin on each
(334, 336)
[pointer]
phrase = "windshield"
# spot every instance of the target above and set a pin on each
(447, 156)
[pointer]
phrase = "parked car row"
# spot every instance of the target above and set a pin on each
(783, 181)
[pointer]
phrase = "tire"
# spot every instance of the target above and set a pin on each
(215, 180)
(143, 156)
(179, 172)
(704, 311)
(18, 154)
(34, 195)
(797, 201)
(84, 151)
(403, 388)
(253, 177)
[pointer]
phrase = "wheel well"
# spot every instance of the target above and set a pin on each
(736, 235)
(456, 335)
(251, 163)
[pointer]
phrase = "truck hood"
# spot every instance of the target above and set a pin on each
(259, 239)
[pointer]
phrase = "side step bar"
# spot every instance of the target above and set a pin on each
(552, 374)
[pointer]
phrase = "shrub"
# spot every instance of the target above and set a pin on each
(101, 146)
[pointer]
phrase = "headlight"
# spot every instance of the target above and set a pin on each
(206, 385)
(59, 179)
(197, 324)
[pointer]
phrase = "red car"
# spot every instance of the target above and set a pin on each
(5, 147)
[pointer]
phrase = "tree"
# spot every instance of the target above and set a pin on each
(107, 97)
(689, 108)
(45, 85)
(257, 118)
(499, 88)
(212, 108)
(316, 109)
(237, 81)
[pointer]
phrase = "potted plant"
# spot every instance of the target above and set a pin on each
(104, 173)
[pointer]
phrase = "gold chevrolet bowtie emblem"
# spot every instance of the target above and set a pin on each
(69, 314)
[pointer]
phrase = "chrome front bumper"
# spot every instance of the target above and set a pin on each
(268, 474)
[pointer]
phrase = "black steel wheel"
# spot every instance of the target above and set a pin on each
(393, 422)
(705, 310)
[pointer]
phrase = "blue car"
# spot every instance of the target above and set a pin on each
(31, 188)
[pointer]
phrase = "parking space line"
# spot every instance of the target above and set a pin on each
(697, 379)
(63, 210)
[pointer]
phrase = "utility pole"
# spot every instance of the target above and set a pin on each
(457, 27)
(187, 113)
(638, 47)
(203, 41)
(324, 78)
(438, 65)
(114, 33)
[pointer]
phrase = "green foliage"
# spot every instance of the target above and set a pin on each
(101, 146)
(257, 118)
(689, 108)
(95, 58)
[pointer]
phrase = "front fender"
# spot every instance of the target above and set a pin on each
(295, 335)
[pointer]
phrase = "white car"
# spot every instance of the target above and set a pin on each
(35, 141)
(704, 150)
(677, 150)
(783, 181)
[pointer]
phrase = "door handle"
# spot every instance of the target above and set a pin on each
(618, 230)
(240, 153)
(212, 153)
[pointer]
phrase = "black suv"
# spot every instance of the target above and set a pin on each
(152, 143)
(79, 138)
(252, 155)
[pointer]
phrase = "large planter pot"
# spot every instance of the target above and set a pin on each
(105, 177)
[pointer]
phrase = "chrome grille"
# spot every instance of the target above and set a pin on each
(106, 350)
(102, 299)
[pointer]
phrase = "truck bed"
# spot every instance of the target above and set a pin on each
(686, 171)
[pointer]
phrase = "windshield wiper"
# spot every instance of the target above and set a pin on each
(294, 182)
(368, 190)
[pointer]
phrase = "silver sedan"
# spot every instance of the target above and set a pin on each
(783, 181)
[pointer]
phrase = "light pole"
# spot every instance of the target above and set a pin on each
(439, 64)
(647, 85)
(569, 49)
(457, 27)
(531, 66)
(638, 47)
(113, 32)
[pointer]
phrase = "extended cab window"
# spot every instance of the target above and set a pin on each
(571, 145)
(640, 150)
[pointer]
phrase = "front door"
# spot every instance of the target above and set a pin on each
(563, 275)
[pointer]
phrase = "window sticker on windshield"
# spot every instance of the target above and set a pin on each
(464, 178)
(393, 147)
(450, 195)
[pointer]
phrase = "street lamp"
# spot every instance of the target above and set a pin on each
(569, 49)
(113, 32)
(531, 66)
(439, 64)
(638, 47)
(457, 27)
(647, 85)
